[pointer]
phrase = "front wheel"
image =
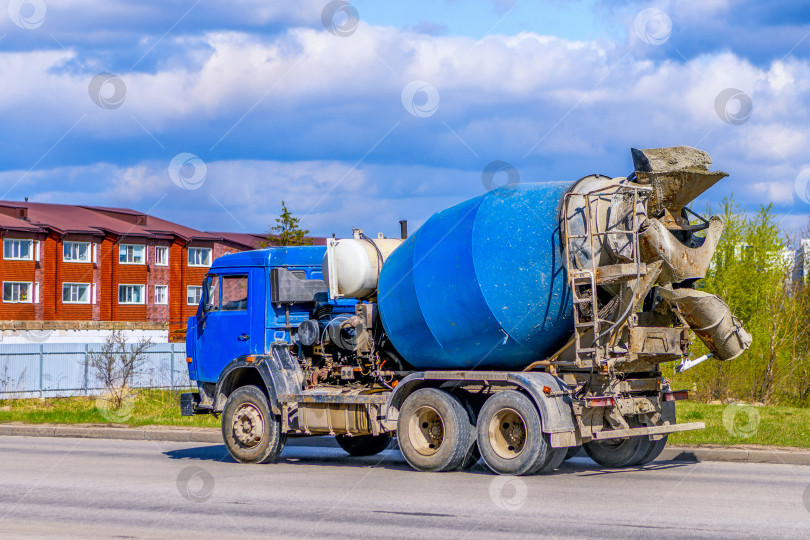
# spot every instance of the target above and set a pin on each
(364, 445)
(251, 431)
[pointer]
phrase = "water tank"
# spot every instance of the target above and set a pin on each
(351, 265)
(481, 285)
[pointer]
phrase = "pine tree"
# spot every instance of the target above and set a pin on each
(286, 231)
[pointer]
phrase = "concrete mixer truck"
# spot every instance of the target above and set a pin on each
(515, 327)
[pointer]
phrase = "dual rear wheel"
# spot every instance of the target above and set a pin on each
(435, 431)
(511, 438)
(438, 431)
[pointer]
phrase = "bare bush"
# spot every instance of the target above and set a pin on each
(116, 365)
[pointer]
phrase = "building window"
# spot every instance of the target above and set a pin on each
(18, 250)
(161, 295)
(130, 294)
(193, 295)
(161, 256)
(76, 252)
(75, 293)
(16, 293)
(130, 254)
(199, 256)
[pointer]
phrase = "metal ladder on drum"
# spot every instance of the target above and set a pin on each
(583, 282)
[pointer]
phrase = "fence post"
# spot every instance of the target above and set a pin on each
(41, 370)
(171, 364)
(86, 368)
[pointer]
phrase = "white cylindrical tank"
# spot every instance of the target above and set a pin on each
(351, 266)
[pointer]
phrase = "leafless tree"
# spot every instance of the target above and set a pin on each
(116, 365)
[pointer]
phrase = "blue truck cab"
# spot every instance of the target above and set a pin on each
(241, 313)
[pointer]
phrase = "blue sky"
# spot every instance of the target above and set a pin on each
(395, 115)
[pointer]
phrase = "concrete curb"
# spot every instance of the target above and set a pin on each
(212, 435)
(739, 455)
(199, 435)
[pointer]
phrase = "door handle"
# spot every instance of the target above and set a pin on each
(244, 337)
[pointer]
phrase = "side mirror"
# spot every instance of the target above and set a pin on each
(206, 294)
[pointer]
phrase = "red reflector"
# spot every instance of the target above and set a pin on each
(547, 389)
(250, 359)
(675, 396)
(602, 401)
(189, 359)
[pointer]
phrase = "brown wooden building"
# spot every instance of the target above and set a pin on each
(87, 263)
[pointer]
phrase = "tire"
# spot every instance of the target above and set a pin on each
(252, 433)
(656, 447)
(555, 458)
(473, 454)
(617, 453)
(364, 445)
(472, 457)
(510, 436)
(572, 452)
(434, 431)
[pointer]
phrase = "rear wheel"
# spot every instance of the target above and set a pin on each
(616, 453)
(555, 458)
(656, 447)
(252, 433)
(473, 454)
(364, 445)
(434, 431)
(572, 452)
(510, 436)
(472, 457)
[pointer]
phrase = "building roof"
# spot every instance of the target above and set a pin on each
(248, 240)
(258, 241)
(17, 224)
(96, 220)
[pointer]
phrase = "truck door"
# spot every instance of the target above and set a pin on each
(227, 329)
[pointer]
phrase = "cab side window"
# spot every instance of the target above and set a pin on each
(234, 293)
(213, 294)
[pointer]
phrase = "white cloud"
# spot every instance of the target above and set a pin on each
(313, 104)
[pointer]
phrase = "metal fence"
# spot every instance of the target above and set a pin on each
(61, 369)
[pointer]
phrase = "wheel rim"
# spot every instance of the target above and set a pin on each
(507, 433)
(248, 425)
(426, 430)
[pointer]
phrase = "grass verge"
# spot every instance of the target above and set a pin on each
(726, 425)
(737, 424)
(146, 407)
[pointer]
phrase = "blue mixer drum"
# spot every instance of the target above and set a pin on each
(481, 285)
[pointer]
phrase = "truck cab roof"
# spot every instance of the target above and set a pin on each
(273, 257)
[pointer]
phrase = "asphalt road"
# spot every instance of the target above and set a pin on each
(83, 488)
